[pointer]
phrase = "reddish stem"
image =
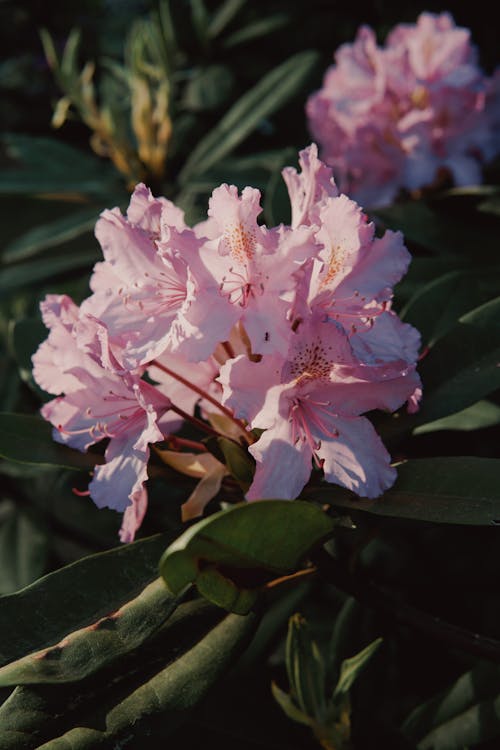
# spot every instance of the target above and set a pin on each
(178, 442)
(194, 420)
(229, 414)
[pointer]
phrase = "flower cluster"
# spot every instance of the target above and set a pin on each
(402, 115)
(287, 332)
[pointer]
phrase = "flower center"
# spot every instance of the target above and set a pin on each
(312, 361)
(335, 263)
(241, 242)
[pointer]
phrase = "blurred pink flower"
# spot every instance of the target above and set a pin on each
(396, 116)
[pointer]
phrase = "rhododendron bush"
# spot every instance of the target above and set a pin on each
(249, 403)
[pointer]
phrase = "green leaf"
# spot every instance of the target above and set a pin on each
(464, 366)
(208, 89)
(238, 461)
(257, 29)
(470, 689)
(147, 696)
(231, 553)
(223, 16)
(23, 548)
(286, 703)
(305, 669)
(75, 596)
(87, 650)
(199, 15)
(457, 490)
(351, 668)
(49, 235)
(436, 308)
(43, 167)
(25, 336)
(438, 232)
(28, 439)
(475, 417)
(261, 101)
(341, 636)
(18, 276)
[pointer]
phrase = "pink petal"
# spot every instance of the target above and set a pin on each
(357, 459)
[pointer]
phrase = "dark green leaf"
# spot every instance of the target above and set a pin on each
(22, 274)
(261, 101)
(200, 19)
(464, 366)
(25, 336)
(352, 667)
(257, 29)
(456, 490)
(471, 688)
(436, 308)
(208, 89)
(287, 704)
(475, 417)
(223, 16)
(305, 669)
(28, 439)
(87, 650)
(145, 698)
(341, 638)
(23, 548)
(49, 235)
(238, 461)
(438, 232)
(230, 554)
(71, 598)
(46, 165)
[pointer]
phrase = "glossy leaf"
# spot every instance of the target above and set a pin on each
(456, 490)
(230, 554)
(75, 596)
(28, 439)
(261, 101)
(475, 417)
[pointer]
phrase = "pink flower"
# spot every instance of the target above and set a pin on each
(391, 117)
(351, 275)
(100, 401)
(309, 404)
(146, 291)
(254, 267)
(295, 321)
